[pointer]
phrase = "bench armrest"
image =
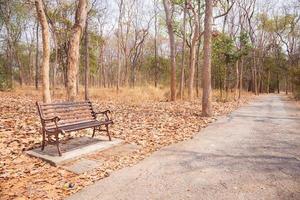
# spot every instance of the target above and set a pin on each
(53, 119)
(103, 113)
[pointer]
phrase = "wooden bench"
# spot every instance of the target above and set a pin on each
(59, 118)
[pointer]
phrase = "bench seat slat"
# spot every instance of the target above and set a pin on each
(64, 103)
(45, 112)
(65, 107)
(67, 115)
(79, 126)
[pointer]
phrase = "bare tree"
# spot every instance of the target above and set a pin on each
(73, 52)
(37, 57)
(181, 86)
(155, 43)
(136, 50)
(169, 9)
(287, 34)
(206, 71)
(46, 50)
(193, 45)
(119, 42)
(86, 62)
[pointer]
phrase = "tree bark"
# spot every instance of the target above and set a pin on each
(194, 44)
(172, 48)
(237, 80)
(192, 70)
(254, 73)
(268, 83)
(55, 64)
(37, 58)
(181, 86)
(86, 63)
(226, 81)
(73, 51)
(206, 70)
(46, 50)
(155, 45)
(119, 44)
(198, 50)
(21, 74)
(278, 89)
(241, 77)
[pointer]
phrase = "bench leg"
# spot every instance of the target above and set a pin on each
(108, 132)
(44, 138)
(94, 130)
(57, 144)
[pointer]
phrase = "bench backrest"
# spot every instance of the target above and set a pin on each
(68, 112)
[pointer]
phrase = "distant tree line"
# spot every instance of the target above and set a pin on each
(97, 43)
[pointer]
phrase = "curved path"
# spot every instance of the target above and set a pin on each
(254, 153)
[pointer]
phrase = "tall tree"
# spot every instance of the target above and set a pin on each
(119, 43)
(37, 58)
(73, 51)
(169, 9)
(86, 63)
(155, 43)
(206, 70)
(193, 50)
(46, 50)
(181, 86)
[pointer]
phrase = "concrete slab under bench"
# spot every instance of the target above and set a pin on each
(74, 148)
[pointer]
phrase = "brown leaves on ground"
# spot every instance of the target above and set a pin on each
(151, 125)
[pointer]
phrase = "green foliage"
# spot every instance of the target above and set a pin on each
(149, 67)
(245, 45)
(224, 55)
(224, 49)
(4, 79)
(265, 23)
(95, 42)
(296, 81)
(178, 2)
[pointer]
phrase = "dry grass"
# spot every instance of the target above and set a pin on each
(125, 94)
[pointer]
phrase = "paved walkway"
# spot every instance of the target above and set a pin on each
(252, 154)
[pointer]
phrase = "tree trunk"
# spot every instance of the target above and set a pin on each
(255, 73)
(155, 45)
(181, 87)
(30, 67)
(172, 48)
(37, 58)
(86, 63)
(241, 77)
(206, 70)
(194, 44)
(119, 44)
(198, 49)
(21, 74)
(73, 51)
(237, 80)
(192, 70)
(46, 50)
(286, 85)
(268, 84)
(278, 89)
(55, 64)
(197, 68)
(226, 82)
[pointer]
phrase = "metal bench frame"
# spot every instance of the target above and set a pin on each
(54, 131)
